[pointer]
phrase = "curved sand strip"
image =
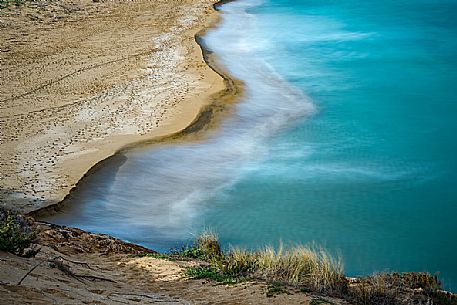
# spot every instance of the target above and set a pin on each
(82, 79)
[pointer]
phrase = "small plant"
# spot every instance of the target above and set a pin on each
(187, 252)
(394, 288)
(211, 273)
(156, 255)
(238, 263)
(374, 290)
(208, 245)
(16, 234)
(418, 280)
(276, 288)
(320, 301)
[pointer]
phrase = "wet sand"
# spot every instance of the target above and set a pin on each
(81, 80)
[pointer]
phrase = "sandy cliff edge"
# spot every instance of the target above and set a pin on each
(76, 267)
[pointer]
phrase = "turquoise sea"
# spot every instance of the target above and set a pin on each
(346, 137)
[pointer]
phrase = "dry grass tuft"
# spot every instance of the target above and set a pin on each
(312, 269)
(208, 245)
(399, 288)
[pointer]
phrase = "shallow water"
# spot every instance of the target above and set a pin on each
(346, 137)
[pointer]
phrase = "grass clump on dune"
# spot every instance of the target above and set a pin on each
(300, 266)
(399, 288)
(205, 247)
(208, 245)
(311, 269)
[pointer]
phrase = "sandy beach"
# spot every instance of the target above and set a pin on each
(82, 79)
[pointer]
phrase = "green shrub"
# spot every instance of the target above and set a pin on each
(156, 255)
(205, 247)
(275, 288)
(16, 234)
(187, 252)
(320, 301)
(211, 273)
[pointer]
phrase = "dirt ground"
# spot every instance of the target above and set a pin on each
(75, 267)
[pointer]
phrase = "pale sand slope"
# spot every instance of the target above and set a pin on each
(74, 267)
(81, 79)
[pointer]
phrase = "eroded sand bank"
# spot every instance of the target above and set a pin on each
(82, 79)
(75, 267)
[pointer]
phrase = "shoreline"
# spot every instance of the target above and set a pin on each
(206, 121)
(203, 112)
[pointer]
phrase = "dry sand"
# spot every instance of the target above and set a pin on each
(74, 267)
(81, 79)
